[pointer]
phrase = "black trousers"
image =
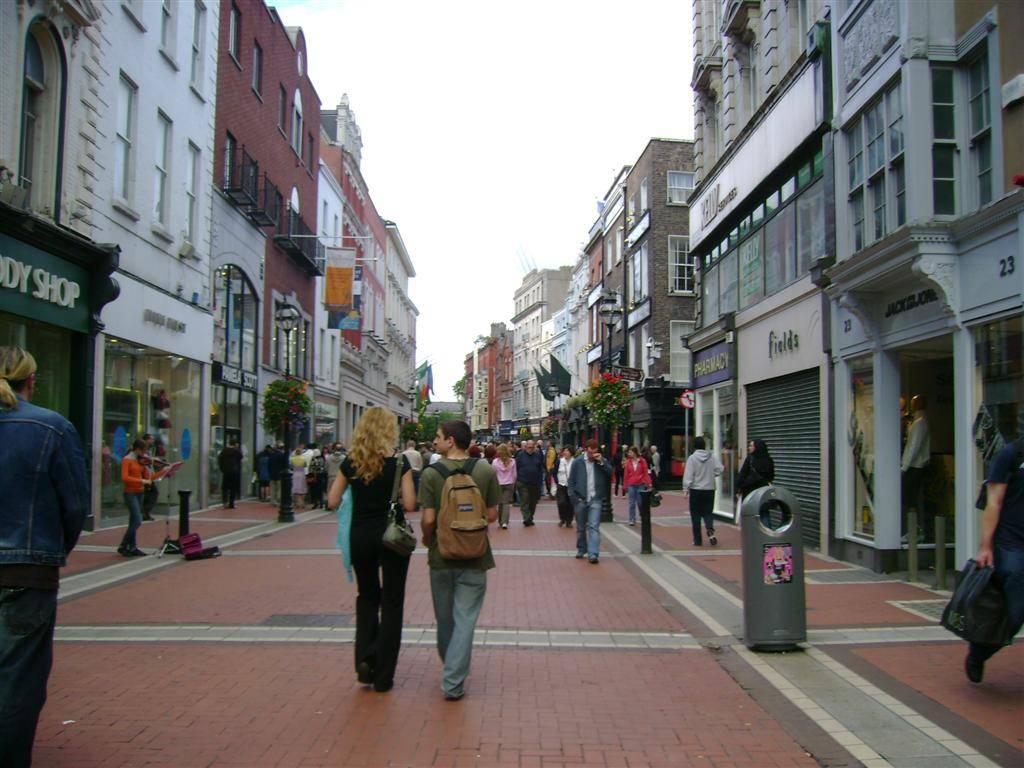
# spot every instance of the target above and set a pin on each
(702, 507)
(230, 488)
(565, 511)
(529, 493)
(380, 579)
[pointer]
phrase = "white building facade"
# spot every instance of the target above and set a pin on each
(400, 325)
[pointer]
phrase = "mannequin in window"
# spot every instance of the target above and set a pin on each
(916, 454)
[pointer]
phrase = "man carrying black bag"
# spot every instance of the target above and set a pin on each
(1002, 542)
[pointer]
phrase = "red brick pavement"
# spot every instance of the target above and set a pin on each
(253, 706)
(151, 535)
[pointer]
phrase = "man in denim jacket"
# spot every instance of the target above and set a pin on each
(46, 500)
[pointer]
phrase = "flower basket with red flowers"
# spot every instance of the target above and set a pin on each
(609, 400)
(285, 402)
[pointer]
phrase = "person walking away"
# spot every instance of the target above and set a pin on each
(333, 461)
(229, 461)
(1002, 542)
(590, 483)
(551, 467)
(636, 478)
(530, 471)
(456, 586)
(415, 461)
(316, 477)
(655, 464)
(263, 472)
(757, 470)
(277, 465)
(618, 467)
(369, 470)
(299, 485)
(702, 467)
(505, 469)
(565, 510)
(46, 501)
(135, 478)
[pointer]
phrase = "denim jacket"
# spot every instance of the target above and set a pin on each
(43, 486)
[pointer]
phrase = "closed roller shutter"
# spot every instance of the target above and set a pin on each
(786, 414)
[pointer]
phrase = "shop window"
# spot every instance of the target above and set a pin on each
(709, 291)
(728, 278)
(41, 107)
(810, 222)
(998, 387)
(860, 438)
(751, 270)
(51, 347)
(780, 251)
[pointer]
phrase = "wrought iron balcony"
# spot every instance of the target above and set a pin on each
(298, 241)
(266, 210)
(241, 176)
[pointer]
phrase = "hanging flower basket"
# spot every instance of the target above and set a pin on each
(609, 400)
(550, 429)
(285, 402)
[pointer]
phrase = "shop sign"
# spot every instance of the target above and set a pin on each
(154, 317)
(42, 286)
(712, 365)
(228, 374)
(910, 301)
(781, 343)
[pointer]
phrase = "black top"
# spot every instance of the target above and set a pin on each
(1008, 467)
(370, 502)
(757, 470)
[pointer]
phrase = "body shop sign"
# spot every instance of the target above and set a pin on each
(37, 284)
(712, 365)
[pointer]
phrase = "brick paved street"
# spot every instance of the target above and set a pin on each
(246, 660)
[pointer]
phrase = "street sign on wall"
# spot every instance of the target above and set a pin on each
(629, 374)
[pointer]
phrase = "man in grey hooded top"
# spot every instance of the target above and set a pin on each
(702, 468)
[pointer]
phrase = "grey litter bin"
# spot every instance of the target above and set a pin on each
(774, 602)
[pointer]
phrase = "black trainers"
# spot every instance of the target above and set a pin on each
(364, 672)
(712, 539)
(975, 669)
(136, 553)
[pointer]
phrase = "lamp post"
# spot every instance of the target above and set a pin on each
(287, 318)
(611, 311)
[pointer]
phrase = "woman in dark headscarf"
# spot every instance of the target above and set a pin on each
(758, 468)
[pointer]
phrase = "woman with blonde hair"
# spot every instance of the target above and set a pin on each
(369, 469)
(505, 467)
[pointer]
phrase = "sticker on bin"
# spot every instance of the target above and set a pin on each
(778, 563)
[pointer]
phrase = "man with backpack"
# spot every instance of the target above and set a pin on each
(459, 498)
(1002, 542)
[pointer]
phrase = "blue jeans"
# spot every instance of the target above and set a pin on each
(27, 619)
(633, 491)
(134, 502)
(588, 527)
(458, 597)
(1010, 573)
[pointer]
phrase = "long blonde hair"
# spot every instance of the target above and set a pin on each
(374, 439)
(504, 455)
(16, 365)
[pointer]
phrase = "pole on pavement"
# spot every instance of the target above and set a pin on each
(183, 513)
(645, 522)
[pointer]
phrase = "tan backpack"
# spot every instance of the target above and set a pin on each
(462, 516)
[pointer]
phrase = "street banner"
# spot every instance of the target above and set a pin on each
(340, 280)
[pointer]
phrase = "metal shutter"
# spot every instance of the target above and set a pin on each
(786, 414)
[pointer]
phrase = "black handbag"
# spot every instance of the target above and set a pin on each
(655, 498)
(977, 612)
(398, 536)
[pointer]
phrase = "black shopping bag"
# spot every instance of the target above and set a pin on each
(977, 611)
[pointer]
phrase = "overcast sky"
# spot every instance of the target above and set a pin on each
(490, 130)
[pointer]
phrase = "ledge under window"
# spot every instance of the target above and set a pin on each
(130, 11)
(157, 229)
(169, 59)
(121, 206)
(196, 92)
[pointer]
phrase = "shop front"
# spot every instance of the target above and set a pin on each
(153, 384)
(714, 415)
(783, 397)
(232, 417)
(53, 285)
(929, 342)
(325, 420)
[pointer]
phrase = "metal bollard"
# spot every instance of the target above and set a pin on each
(183, 513)
(911, 546)
(940, 552)
(645, 522)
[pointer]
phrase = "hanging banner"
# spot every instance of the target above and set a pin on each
(339, 279)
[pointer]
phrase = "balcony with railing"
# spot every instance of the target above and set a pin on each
(266, 209)
(241, 176)
(296, 239)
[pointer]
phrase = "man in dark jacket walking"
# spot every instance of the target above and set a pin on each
(590, 483)
(530, 472)
(230, 462)
(277, 466)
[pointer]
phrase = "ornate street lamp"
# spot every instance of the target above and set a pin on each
(611, 310)
(287, 318)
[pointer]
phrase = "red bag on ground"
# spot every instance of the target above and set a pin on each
(192, 548)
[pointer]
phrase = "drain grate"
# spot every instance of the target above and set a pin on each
(927, 609)
(308, 620)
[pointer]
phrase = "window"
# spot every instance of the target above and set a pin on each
(41, 122)
(751, 268)
(192, 192)
(297, 124)
(752, 81)
(981, 137)
(897, 178)
(709, 296)
(608, 255)
(680, 185)
(234, 32)
(643, 195)
(679, 354)
(943, 142)
(282, 108)
(728, 279)
(618, 246)
(125, 142)
(780, 251)
(161, 165)
(235, 310)
(257, 68)
(230, 152)
(877, 188)
(167, 27)
(323, 219)
(638, 283)
(810, 226)
(310, 150)
(195, 66)
(35, 86)
(681, 265)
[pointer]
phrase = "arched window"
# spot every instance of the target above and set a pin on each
(235, 311)
(297, 123)
(42, 96)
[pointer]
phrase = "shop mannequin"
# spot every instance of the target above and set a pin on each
(916, 455)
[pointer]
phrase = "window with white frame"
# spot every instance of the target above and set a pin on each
(980, 124)
(681, 265)
(161, 168)
(876, 196)
(234, 32)
(125, 138)
(41, 116)
(257, 68)
(643, 195)
(167, 19)
(639, 273)
(680, 185)
(282, 108)
(192, 192)
(679, 353)
(608, 255)
(195, 66)
(618, 246)
(943, 142)
(297, 123)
